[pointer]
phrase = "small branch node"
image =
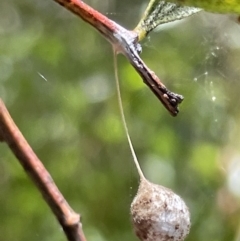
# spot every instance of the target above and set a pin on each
(72, 219)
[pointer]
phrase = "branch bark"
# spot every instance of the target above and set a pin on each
(68, 219)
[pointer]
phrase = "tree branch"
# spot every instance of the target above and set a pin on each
(125, 42)
(68, 219)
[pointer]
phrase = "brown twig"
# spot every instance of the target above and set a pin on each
(125, 42)
(69, 220)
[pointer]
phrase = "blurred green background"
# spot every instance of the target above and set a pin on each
(57, 80)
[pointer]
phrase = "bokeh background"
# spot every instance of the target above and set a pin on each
(57, 80)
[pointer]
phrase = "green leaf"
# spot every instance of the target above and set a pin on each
(160, 12)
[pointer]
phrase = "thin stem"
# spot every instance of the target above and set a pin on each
(126, 43)
(100, 22)
(124, 119)
(68, 219)
(169, 99)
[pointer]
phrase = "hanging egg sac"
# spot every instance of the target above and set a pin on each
(158, 214)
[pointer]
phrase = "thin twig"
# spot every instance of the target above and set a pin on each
(69, 220)
(125, 42)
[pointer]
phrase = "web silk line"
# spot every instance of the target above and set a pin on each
(142, 177)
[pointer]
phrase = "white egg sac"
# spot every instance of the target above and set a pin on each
(159, 214)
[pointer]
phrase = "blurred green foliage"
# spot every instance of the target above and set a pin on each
(219, 6)
(56, 78)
